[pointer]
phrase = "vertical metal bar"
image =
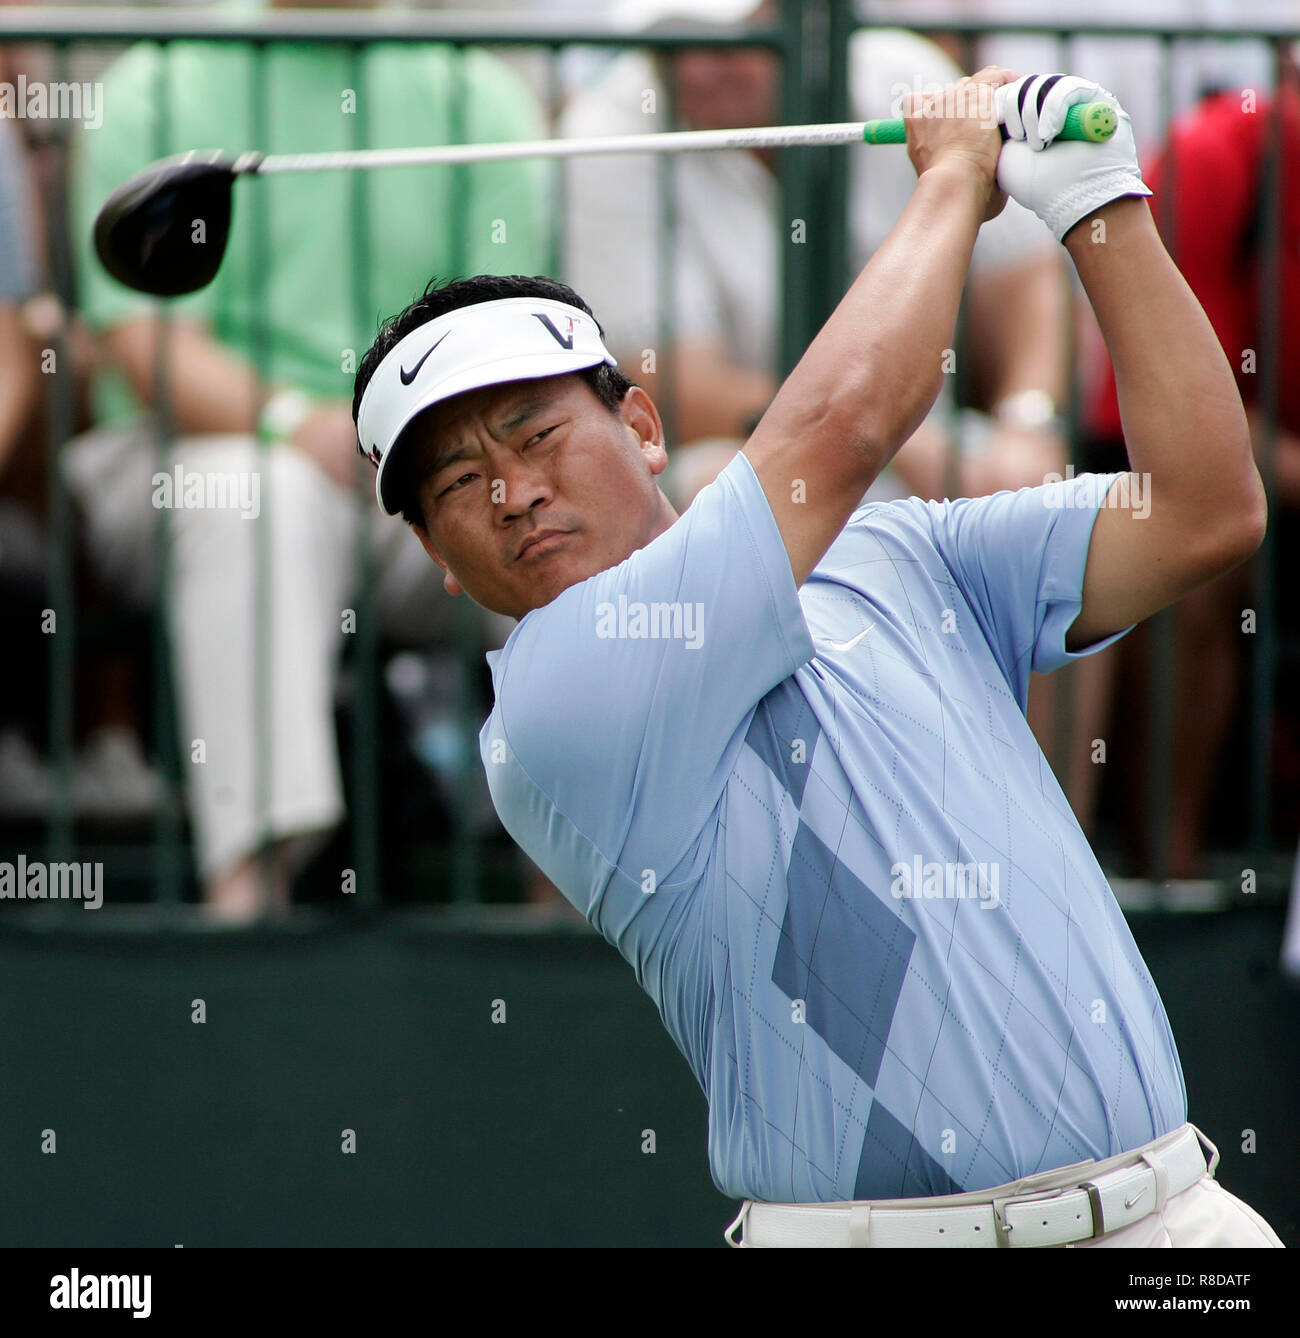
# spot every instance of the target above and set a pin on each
(839, 161)
(558, 180)
(796, 303)
(466, 871)
(259, 273)
(1161, 667)
(821, 165)
(169, 850)
(666, 257)
(366, 800)
(966, 44)
(61, 596)
(1263, 660)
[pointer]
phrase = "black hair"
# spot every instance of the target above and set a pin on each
(607, 383)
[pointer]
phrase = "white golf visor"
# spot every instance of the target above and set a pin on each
(513, 339)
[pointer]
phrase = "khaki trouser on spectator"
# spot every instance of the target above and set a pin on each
(308, 529)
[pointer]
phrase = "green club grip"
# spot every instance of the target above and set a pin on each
(1095, 121)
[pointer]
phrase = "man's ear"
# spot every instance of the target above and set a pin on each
(639, 413)
(449, 582)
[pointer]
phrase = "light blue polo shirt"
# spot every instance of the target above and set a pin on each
(816, 823)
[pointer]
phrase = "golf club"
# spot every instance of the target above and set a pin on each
(164, 231)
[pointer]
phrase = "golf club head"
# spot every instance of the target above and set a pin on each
(164, 230)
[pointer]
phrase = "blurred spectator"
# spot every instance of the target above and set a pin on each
(24, 778)
(110, 777)
(723, 293)
(1210, 202)
(1133, 68)
(19, 374)
(271, 579)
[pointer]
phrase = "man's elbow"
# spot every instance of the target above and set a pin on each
(132, 347)
(880, 423)
(1243, 517)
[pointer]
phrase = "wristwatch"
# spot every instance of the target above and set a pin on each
(282, 415)
(1030, 409)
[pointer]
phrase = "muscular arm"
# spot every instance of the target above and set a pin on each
(713, 396)
(1017, 317)
(1184, 425)
(214, 390)
(211, 390)
(19, 379)
(1016, 324)
(874, 370)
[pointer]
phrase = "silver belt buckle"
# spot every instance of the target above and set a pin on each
(1005, 1228)
(1001, 1227)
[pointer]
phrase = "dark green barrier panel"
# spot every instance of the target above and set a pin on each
(529, 1131)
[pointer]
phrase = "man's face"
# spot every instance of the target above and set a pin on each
(717, 89)
(725, 90)
(497, 468)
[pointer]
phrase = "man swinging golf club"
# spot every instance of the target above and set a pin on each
(774, 749)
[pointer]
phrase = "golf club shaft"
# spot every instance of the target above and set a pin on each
(780, 136)
(684, 141)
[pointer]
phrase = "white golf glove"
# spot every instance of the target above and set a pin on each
(1065, 180)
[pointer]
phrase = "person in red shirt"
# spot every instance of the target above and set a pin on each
(1211, 208)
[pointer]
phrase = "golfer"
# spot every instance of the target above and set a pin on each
(775, 749)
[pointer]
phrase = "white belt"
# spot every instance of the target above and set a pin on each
(1083, 1210)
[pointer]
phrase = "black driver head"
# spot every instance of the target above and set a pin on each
(164, 230)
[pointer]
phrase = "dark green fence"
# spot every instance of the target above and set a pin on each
(227, 1126)
(229, 1132)
(812, 41)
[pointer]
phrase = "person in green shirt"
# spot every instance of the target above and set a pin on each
(261, 473)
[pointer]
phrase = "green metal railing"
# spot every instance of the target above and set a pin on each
(811, 41)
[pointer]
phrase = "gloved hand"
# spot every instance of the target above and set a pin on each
(1062, 181)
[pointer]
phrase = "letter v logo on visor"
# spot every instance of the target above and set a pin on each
(488, 344)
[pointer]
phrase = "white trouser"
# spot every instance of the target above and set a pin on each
(249, 786)
(1291, 934)
(1161, 1195)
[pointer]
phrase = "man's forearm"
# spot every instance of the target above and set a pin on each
(19, 380)
(711, 395)
(715, 397)
(872, 374)
(870, 377)
(1018, 320)
(211, 389)
(875, 369)
(1183, 419)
